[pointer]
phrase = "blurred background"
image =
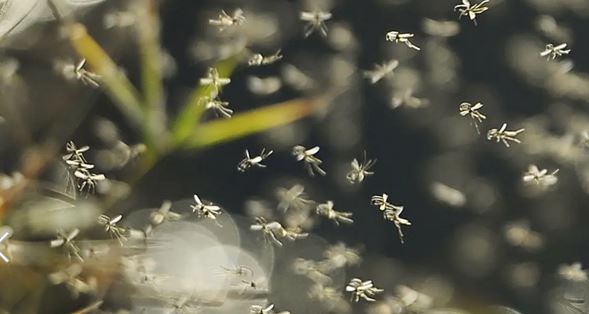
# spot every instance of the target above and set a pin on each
(481, 240)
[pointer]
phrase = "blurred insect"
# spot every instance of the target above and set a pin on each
(360, 170)
(313, 270)
(263, 86)
(239, 271)
(74, 153)
(326, 210)
(540, 177)
(573, 272)
(362, 290)
(110, 226)
(164, 214)
(209, 211)
(406, 98)
(467, 9)
(66, 241)
(225, 20)
(552, 52)
(329, 296)
(403, 38)
(339, 255)
(79, 73)
(119, 19)
(214, 81)
(259, 59)
(70, 278)
(519, 233)
(315, 22)
(88, 180)
(294, 198)
(249, 162)
(381, 71)
(268, 229)
(249, 284)
(312, 163)
(466, 109)
(503, 135)
(221, 108)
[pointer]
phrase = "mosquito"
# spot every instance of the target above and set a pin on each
(268, 229)
(504, 135)
(164, 214)
(205, 210)
(110, 226)
(88, 179)
(66, 241)
(312, 163)
(403, 38)
(382, 201)
(467, 9)
(256, 161)
(540, 177)
(552, 52)
(259, 59)
(214, 80)
(466, 109)
(70, 278)
(294, 198)
(381, 71)
(360, 170)
(362, 290)
(225, 20)
(86, 77)
(221, 108)
(75, 153)
(326, 210)
(315, 22)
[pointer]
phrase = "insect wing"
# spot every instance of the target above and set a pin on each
(312, 151)
(116, 219)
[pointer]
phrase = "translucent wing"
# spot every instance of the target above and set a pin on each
(116, 219)
(312, 151)
(197, 199)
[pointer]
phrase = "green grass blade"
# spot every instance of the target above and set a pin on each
(118, 87)
(253, 121)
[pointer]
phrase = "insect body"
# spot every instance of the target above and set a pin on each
(403, 38)
(315, 22)
(504, 135)
(360, 170)
(256, 161)
(470, 10)
(553, 52)
(467, 109)
(312, 163)
(225, 20)
(66, 240)
(110, 226)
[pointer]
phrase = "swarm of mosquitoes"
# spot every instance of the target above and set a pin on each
(85, 178)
